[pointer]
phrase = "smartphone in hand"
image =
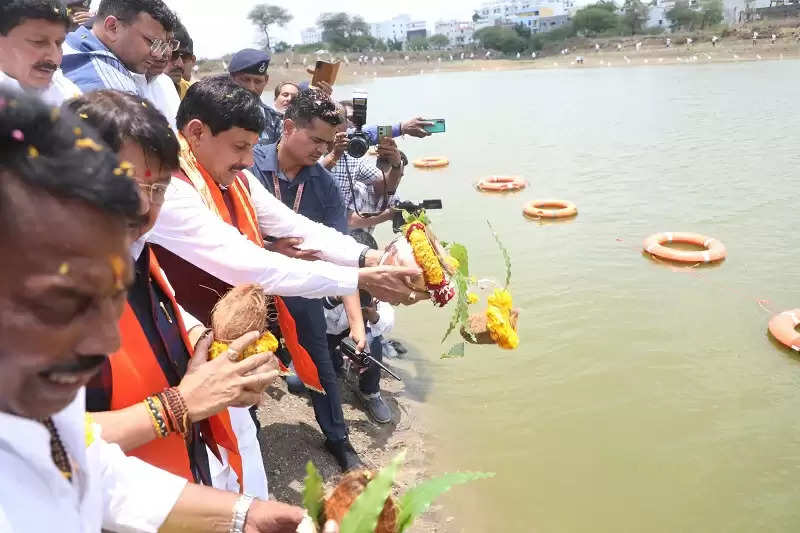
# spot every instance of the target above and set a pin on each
(384, 131)
(438, 125)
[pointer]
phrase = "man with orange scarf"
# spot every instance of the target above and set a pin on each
(154, 375)
(210, 234)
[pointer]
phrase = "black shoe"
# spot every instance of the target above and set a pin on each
(344, 454)
(398, 346)
(376, 407)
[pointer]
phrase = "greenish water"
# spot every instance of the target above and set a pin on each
(642, 398)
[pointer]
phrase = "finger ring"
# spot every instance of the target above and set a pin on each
(412, 296)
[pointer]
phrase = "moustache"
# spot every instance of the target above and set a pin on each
(46, 65)
(237, 168)
(81, 365)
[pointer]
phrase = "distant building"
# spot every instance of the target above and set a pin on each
(416, 30)
(311, 36)
(459, 33)
(538, 16)
(395, 29)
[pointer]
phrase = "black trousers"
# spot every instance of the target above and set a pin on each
(309, 317)
(370, 381)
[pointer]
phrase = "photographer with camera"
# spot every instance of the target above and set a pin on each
(378, 321)
(348, 166)
(375, 204)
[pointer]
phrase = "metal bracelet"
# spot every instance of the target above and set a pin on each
(240, 509)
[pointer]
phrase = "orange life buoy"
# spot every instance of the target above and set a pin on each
(782, 327)
(501, 184)
(431, 162)
(550, 209)
(714, 249)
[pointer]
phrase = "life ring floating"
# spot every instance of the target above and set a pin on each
(501, 184)
(550, 209)
(431, 162)
(714, 249)
(782, 327)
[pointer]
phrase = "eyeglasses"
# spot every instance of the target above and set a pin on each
(159, 47)
(154, 193)
(181, 54)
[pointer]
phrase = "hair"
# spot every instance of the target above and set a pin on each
(40, 149)
(280, 86)
(15, 12)
(182, 35)
(127, 10)
(120, 117)
(311, 104)
(221, 104)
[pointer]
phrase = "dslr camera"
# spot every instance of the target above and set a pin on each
(398, 222)
(359, 142)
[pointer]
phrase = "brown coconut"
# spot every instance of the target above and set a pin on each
(241, 310)
(477, 324)
(344, 495)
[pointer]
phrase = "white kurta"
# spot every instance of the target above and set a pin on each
(187, 228)
(59, 90)
(109, 490)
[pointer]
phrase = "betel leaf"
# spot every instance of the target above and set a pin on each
(365, 511)
(313, 492)
(417, 500)
(457, 351)
(459, 253)
(506, 255)
(461, 310)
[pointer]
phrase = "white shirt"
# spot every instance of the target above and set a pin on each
(337, 321)
(109, 490)
(187, 228)
(59, 90)
(162, 93)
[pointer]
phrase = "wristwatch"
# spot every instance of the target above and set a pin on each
(362, 259)
(240, 509)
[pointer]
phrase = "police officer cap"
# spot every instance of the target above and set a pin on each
(249, 61)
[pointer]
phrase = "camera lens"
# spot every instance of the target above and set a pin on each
(357, 147)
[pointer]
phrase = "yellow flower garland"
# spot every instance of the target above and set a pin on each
(425, 256)
(498, 316)
(266, 343)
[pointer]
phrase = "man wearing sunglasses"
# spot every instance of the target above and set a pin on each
(127, 39)
(181, 61)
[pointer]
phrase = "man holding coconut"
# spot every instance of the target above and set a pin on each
(210, 233)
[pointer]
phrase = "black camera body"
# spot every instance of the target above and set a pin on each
(415, 209)
(361, 359)
(359, 142)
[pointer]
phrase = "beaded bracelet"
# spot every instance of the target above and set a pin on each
(177, 412)
(156, 409)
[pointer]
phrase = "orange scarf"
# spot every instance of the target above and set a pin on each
(247, 223)
(136, 374)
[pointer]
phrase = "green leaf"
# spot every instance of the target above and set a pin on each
(313, 492)
(459, 253)
(417, 500)
(457, 351)
(506, 255)
(365, 511)
(461, 309)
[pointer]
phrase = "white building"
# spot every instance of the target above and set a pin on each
(459, 33)
(311, 36)
(417, 29)
(395, 29)
(499, 11)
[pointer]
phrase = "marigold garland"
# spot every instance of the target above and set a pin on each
(498, 315)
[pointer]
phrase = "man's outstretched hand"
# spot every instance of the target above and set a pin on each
(416, 127)
(391, 284)
(273, 517)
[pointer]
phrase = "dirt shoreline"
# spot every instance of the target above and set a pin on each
(290, 436)
(652, 53)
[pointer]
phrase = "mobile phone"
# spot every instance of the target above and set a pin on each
(384, 131)
(438, 125)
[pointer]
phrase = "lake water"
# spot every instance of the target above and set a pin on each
(643, 397)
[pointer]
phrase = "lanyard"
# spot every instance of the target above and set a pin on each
(297, 197)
